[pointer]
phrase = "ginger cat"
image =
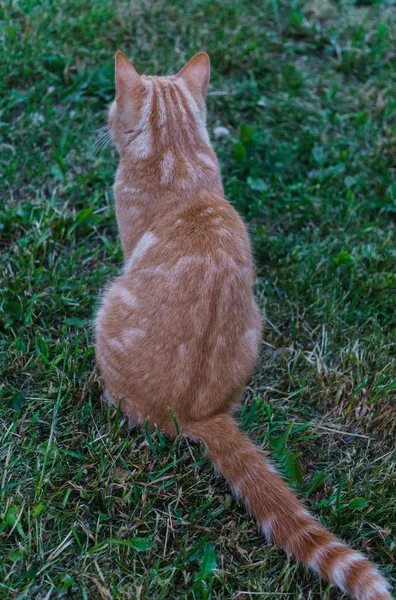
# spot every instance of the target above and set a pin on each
(179, 331)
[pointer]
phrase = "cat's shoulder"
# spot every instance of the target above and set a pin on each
(208, 225)
(209, 213)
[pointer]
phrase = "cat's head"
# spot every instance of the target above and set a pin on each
(150, 114)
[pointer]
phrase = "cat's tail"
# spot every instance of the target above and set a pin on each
(280, 515)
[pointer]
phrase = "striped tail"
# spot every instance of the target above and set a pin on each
(279, 513)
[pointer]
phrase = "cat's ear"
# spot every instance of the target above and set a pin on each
(125, 75)
(197, 72)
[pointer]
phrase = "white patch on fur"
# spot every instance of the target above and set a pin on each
(195, 110)
(161, 104)
(107, 397)
(129, 190)
(266, 528)
(131, 334)
(178, 112)
(192, 172)
(252, 336)
(128, 298)
(226, 259)
(185, 262)
(167, 166)
(132, 210)
(381, 586)
(192, 175)
(141, 146)
(271, 468)
(147, 240)
(339, 571)
(147, 107)
(206, 159)
(320, 554)
(375, 588)
(207, 211)
(182, 350)
(178, 221)
(236, 488)
(158, 270)
(224, 232)
(186, 121)
(114, 343)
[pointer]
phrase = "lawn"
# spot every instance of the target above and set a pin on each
(307, 91)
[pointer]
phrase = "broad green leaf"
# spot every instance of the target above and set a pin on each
(208, 563)
(357, 503)
(343, 258)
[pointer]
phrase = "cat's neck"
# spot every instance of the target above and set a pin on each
(143, 199)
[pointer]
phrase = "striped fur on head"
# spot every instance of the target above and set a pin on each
(151, 113)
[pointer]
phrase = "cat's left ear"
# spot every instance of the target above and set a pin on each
(125, 75)
(197, 72)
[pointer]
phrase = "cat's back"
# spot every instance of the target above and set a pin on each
(211, 224)
(208, 232)
(182, 318)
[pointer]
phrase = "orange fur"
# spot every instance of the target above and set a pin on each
(178, 331)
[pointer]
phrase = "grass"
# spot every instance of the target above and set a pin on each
(307, 91)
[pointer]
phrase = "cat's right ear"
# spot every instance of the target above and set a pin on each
(125, 76)
(197, 72)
